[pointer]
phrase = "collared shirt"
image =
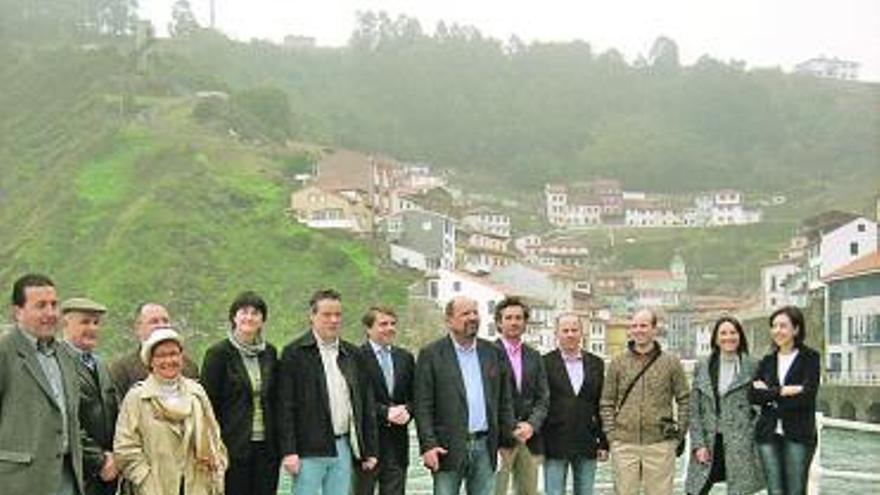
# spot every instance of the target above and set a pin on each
(48, 360)
(469, 365)
(514, 355)
(574, 365)
(337, 387)
(383, 356)
(89, 359)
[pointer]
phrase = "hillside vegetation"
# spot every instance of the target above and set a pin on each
(522, 115)
(123, 184)
(157, 207)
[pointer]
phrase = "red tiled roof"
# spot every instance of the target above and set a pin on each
(862, 266)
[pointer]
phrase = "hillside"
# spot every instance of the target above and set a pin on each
(514, 116)
(154, 206)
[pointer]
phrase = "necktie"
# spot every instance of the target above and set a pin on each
(91, 364)
(88, 360)
(387, 368)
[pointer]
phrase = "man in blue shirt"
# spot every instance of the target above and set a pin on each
(463, 405)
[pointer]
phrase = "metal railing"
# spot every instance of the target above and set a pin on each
(855, 378)
(816, 469)
(420, 483)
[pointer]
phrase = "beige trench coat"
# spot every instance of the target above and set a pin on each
(155, 456)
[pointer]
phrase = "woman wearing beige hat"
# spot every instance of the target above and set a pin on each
(167, 440)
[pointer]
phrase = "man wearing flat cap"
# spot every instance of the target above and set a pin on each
(99, 402)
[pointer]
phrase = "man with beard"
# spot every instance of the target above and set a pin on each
(463, 405)
(531, 398)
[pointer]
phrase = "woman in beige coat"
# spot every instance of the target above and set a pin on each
(167, 440)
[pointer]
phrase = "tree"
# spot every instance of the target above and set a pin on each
(183, 21)
(663, 57)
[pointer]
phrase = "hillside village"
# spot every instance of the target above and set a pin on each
(462, 246)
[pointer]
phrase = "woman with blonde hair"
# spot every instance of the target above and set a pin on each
(167, 440)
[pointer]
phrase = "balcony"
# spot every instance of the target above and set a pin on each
(866, 378)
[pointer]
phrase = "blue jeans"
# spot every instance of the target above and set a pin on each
(583, 472)
(325, 475)
(476, 472)
(786, 465)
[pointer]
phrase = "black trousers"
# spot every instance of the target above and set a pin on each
(390, 477)
(254, 474)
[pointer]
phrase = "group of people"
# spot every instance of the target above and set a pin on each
(335, 415)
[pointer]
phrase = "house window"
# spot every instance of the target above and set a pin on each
(456, 286)
(433, 290)
(426, 225)
(490, 307)
(861, 227)
(854, 248)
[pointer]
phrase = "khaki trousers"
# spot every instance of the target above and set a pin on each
(523, 465)
(650, 466)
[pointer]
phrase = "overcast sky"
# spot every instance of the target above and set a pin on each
(761, 32)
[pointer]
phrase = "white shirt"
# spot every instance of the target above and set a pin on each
(783, 364)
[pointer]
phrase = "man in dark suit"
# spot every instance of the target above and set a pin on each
(531, 399)
(573, 431)
(391, 369)
(99, 403)
(40, 449)
(326, 413)
(463, 405)
(129, 369)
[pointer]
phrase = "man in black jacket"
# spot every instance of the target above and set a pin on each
(326, 418)
(391, 369)
(531, 399)
(99, 402)
(464, 410)
(573, 430)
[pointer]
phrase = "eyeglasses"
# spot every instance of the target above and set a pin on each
(166, 355)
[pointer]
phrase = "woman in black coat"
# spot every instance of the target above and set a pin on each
(785, 387)
(239, 376)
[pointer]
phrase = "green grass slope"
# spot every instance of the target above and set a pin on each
(157, 208)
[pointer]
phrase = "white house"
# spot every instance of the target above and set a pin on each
(852, 321)
(829, 68)
(647, 213)
(449, 284)
(556, 199)
(488, 222)
(782, 285)
(838, 247)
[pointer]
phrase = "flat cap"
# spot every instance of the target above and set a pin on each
(82, 304)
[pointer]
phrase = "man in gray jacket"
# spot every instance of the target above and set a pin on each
(40, 450)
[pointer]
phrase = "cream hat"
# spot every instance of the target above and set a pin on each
(159, 335)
